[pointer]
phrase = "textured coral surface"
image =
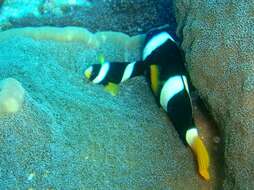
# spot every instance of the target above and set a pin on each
(218, 42)
(71, 134)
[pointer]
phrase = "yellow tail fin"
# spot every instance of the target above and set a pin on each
(201, 153)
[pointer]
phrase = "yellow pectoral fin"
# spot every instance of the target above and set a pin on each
(112, 88)
(201, 153)
(154, 75)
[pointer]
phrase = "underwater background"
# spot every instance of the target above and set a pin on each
(60, 132)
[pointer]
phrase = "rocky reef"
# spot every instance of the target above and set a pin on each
(129, 16)
(218, 42)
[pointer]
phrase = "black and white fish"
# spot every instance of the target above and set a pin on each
(163, 67)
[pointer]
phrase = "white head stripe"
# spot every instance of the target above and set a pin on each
(190, 136)
(155, 42)
(102, 73)
(171, 87)
(128, 71)
(186, 84)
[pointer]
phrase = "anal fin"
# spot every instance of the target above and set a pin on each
(112, 88)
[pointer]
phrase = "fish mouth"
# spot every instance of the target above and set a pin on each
(88, 72)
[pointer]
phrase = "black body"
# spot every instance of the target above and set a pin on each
(116, 71)
(170, 63)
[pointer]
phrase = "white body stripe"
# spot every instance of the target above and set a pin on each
(172, 86)
(128, 71)
(155, 42)
(190, 136)
(102, 73)
(186, 84)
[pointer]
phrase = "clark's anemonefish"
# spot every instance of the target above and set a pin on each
(110, 74)
(163, 67)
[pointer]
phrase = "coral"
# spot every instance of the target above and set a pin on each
(74, 34)
(72, 134)
(62, 7)
(130, 16)
(218, 42)
(11, 96)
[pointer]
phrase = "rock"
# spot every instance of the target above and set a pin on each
(129, 16)
(218, 41)
(72, 134)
